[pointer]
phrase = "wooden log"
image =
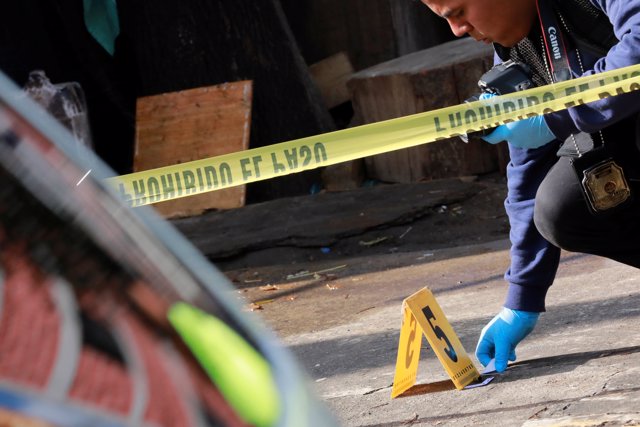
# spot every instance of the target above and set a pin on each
(194, 124)
(429, 79)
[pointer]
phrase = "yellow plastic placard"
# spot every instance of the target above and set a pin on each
(408, 354)
(423, 308)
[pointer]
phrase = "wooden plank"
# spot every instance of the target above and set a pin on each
(179, 45)
(429, 79)
(344, 176)
(194, 124)
(331, 76)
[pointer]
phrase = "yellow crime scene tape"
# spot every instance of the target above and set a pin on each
(229, 170)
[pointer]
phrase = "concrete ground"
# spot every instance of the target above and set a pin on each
(341, 316)
(580, 367)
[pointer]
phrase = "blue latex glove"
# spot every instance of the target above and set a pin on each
(527, 133)
(501, 336)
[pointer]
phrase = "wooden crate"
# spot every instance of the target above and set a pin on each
(433, 78)
(194, 124)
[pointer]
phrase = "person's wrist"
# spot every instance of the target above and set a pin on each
(511, 316)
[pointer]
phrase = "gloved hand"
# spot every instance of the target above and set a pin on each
(528, 133)
(501, 336)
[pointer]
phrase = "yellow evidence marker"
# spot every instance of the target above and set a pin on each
(422, 314)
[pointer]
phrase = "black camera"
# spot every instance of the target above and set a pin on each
(503, 78)
(507, 77)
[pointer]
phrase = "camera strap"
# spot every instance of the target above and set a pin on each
(555, 49)
(554, 40)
